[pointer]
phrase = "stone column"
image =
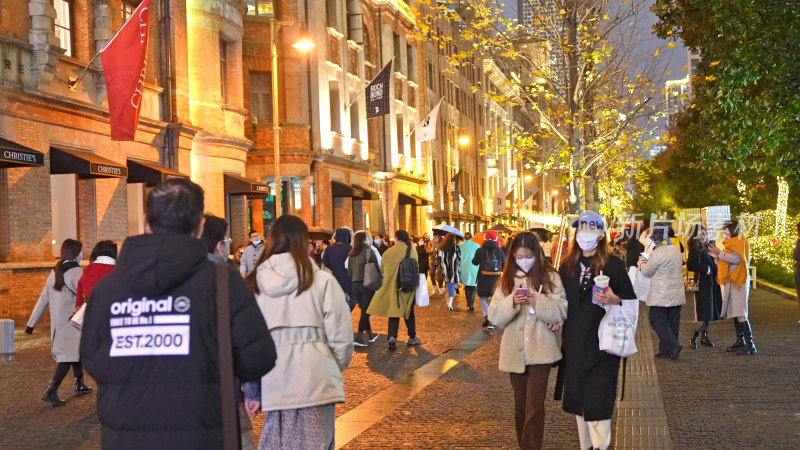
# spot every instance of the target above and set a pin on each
(343, 212)
(358, 214)
(46, 46)
(306, 212)
(257, 213)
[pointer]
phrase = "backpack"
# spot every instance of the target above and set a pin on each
(408, 273)
(491, 267)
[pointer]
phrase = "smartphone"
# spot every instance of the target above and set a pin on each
(524, 291)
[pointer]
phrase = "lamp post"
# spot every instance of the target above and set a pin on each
(302, 45)
(463, 140)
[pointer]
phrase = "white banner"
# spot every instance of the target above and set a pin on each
(426, 128)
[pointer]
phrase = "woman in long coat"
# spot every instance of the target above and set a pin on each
(707, 296)
(590, 375)
(490, 260)
(59, 294)
(449, 256)
(734, 277)
(390, 301)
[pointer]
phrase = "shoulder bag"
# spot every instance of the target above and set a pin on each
(372, 275)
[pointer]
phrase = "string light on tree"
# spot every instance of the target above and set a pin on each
(783, 202)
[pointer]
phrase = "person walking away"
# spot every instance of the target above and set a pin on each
(734, 277)
(435, 266)
(531, 304)
(490, 260)
(796, 256)
(469, 271)
(663, 263)
(360, 256)
(251, 254)
(218, 245)
(422, 257)
(310, 322)
(392, 302)
(59, 294)
(334, 257)
(707, 293)
(101, 263)
(449, 256)
(150, 332)
(633, 247)
(589, 374)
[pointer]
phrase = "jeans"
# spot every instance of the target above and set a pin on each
(451, 289)
(363, 296)
(666, 321)
(485, 306)
(470, 292)
(411, 324)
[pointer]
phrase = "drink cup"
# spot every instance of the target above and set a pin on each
(600, 284)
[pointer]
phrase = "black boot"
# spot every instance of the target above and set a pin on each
(739, 337)
(80, 388)
(51, 394)
(705, 341)
(749, 347)
(693, 340)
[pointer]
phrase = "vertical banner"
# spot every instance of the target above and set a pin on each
(377, 92)
(124, 64)
(426, 128)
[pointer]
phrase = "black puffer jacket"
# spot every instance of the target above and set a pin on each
(150, 342)
(489, 250)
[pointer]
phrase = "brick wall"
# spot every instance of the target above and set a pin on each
(19, 291)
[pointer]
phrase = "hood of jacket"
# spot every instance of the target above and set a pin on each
(490, 245)
(277, 276)
(153, 264)
(342, 236)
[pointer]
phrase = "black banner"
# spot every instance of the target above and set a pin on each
(455, 185)
(377, 92)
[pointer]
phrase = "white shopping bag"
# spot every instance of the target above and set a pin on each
(77, 317)
(618, 328)
(421, 297)
(640, 282)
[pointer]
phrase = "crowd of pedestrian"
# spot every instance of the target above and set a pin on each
(165, 318)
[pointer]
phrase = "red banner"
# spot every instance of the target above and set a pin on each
(124, 64)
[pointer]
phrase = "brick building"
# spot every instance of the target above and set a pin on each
(62, 177)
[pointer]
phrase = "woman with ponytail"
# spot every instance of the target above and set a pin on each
(59, 293)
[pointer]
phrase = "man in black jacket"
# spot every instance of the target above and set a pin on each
(150, 332)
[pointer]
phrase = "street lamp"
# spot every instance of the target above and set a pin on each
(305, 45)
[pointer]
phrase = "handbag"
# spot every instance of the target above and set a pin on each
(492, 267)
(372, 276)
(640, 282)
(618, 328)
(422, 297)
(227, 384)
(76, 319)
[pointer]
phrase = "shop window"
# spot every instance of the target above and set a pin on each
(261, 97)
(64, 209)
(63, 25)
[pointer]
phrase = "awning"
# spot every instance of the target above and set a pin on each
(238, 185)
(367, 194)
(84, 164)
(150, 173)
(425, 201)
(339, 189)
(15, 155)
(407, 199)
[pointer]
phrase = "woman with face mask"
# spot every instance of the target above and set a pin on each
(529, 302)
(590, 375)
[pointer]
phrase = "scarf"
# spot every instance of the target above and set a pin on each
(739, 275)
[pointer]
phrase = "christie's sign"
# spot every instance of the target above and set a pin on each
(24, 158)
(112, 171)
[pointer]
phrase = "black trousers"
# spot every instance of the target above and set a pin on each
(666, 321)
(363, 296)
(62, 369)
(411, 324)
(470, 292)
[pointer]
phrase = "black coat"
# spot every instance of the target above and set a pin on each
(486, 283)
(422, 258)
(708, 297)
(634, 249)
(154, 391)
(335, 256)
(590, 375)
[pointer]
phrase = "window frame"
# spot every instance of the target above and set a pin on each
(70, 26)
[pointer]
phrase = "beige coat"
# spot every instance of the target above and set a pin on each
(734, 300)
(390, 301)
(526, 338)
(313, 336)
(64, 338)
(665, 269)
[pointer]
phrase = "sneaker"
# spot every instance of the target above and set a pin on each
(373, 337)
(413, 341)
(486, 323)
(491, 326)
(392, 343)
(361, 340)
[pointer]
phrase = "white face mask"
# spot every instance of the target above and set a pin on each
(377, 241)
(79, 258)
(586, 240)
(525, 264)
(421, 243)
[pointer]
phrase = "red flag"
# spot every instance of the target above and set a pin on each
(124, 64)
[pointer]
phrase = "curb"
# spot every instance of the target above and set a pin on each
(776, 290)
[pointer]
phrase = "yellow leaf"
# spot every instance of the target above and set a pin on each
(563, 12)
(669, 72)
(684, 67)
(657, 52)
(711, 78)
(665, 135)
(715, 63)
(670, 44)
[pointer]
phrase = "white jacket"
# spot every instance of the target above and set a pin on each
(526, 338)
(665, 269)
(64, 338)
(313, 335)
